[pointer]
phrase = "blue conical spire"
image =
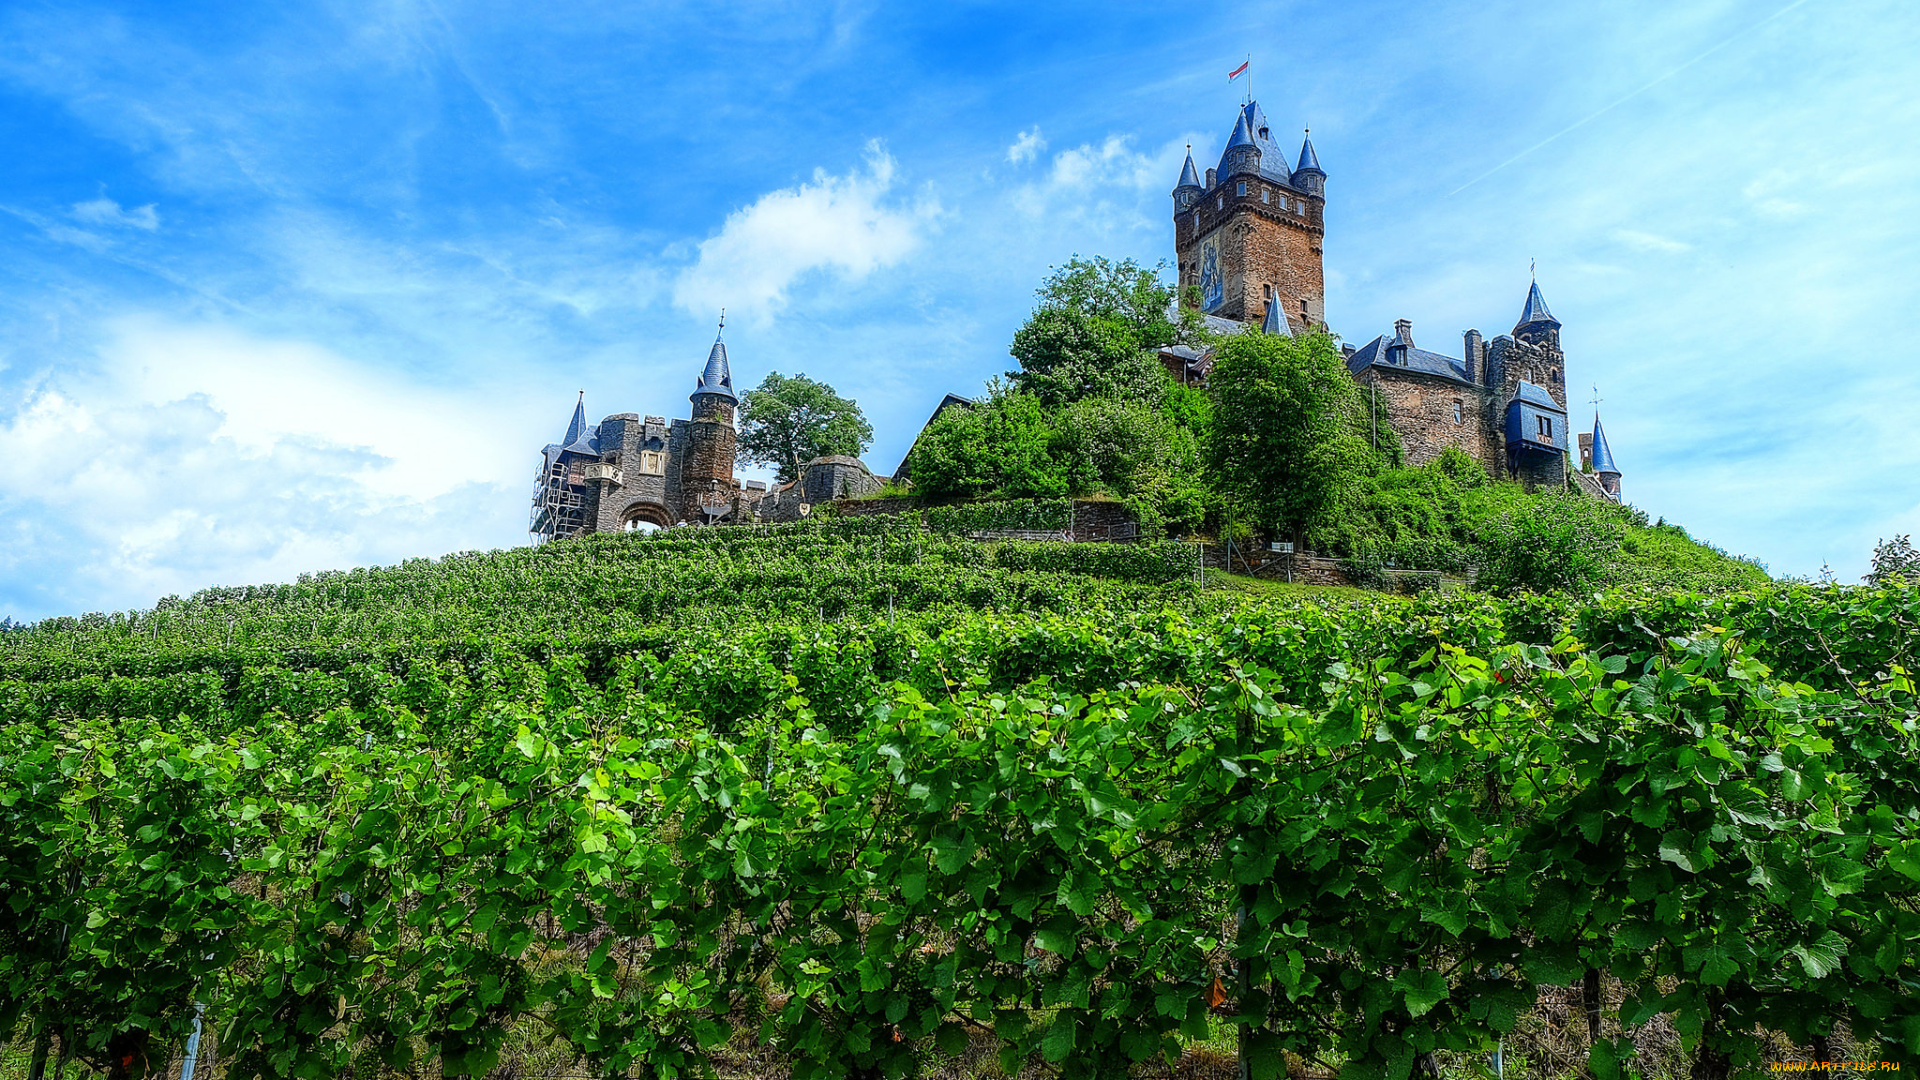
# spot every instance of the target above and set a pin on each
(578, 427)
(1275, 321)
(717, 378)
(1189, 176)
(1309, 161)
(1602, 453)
(1241, 136)
(1536, 313)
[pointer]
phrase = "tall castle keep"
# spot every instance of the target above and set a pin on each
(1248, 240)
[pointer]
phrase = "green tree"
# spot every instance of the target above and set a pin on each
(1894, 559)
(1004, 444)
(1096, 333)
(1285, 440)
(1558, 542)
(787, 421)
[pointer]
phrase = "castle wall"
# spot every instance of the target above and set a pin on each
(1421, 409)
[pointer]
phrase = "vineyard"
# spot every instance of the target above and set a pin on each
(883, 801)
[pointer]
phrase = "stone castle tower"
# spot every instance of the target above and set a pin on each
(707, 485)
(1249, 239)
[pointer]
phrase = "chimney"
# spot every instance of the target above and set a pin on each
(1473, 355)
(1402, 332)
(1210, 173)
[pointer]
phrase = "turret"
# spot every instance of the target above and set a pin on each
(715, 383)
(1242, 156)
(1308, 176)
(1188, 190)
(1603, 467)
(1537, 326)
(706, 469)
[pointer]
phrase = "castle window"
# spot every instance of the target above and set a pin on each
(1545, 427)
(1219, 202)
(1456, 412)
(1240, 189)
(1266, 195)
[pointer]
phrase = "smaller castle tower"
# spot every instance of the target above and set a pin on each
(706, 471)
(1603, 467)
(1308, 176)
(1188, 190)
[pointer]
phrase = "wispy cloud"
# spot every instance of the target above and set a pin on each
(1027, 146)
(844, 227)
(104, 211)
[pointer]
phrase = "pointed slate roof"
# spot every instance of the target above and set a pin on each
(1602, 453)
(1273, 160)
(1535, 396)
(1189, 177)
(579, 425)
(1536, 313)
(1410, 358)
(1309, 161)
(718, 377)
(1275, 321)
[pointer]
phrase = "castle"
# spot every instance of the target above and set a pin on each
(636, 474)
(1248, 241)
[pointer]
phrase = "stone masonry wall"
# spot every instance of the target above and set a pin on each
(1261, 244)
(1420, 408)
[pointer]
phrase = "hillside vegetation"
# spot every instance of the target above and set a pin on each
(848, 800)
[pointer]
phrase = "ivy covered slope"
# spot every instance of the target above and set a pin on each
(872, 797)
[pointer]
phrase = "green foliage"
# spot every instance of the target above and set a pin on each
(1038, 826)
(1892, 560)
(1555, 543)
(1012, 446)
(787, 421)
(1095, 334)
(1006, 444)
(1285, 418)
(1037, 515)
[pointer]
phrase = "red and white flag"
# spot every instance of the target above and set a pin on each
(1239, 71)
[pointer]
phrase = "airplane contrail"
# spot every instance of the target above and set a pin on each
(1624, 100)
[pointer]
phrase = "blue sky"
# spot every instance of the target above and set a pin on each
(302, 286)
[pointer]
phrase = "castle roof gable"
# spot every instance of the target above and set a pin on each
(1375, 354)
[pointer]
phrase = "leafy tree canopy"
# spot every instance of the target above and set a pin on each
(1286, 418)
(787, 421)
(1096, 332)
(1895, 558)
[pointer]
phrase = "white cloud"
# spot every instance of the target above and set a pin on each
(1646, 241)
(1768, 195)
(842, 225)
(179, 455)
(104, 211)
(1113, 162)
(1027, 147)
